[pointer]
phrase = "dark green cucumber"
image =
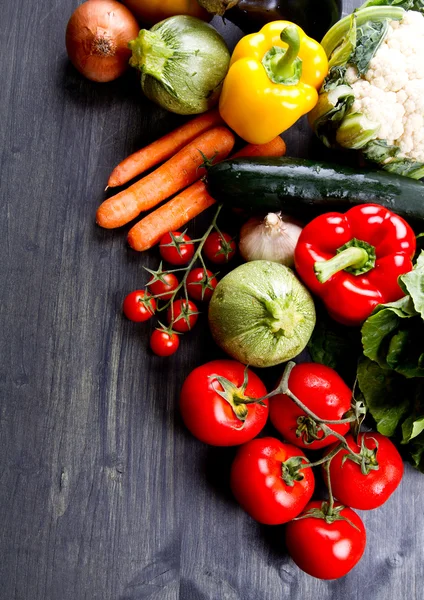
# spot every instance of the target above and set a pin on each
(306, 188)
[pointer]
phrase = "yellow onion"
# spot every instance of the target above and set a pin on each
(97, 39)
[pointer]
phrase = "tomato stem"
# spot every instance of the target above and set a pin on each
(196, 255)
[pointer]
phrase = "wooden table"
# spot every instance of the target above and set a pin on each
(104, 495)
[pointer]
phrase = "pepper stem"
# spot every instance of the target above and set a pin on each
(356, 257)
(283, 66)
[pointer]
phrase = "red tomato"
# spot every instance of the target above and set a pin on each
(212, 418)
(325, 549)
(201, 284)
(163, 287)
(164, 343)
(369, 491)
(324, 392)
(182, 315)
(139, 306)
(219, 248)
(258, 485)
(174, 248)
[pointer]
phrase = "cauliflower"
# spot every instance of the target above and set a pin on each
(373, 97)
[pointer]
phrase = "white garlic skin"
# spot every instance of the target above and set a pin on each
(271, 238)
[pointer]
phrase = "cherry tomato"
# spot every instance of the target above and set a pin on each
(174, 248)
(223, 421)
(163, 287)
(219, 248)
(182, 315)
(369, 491)
(258, 485)
(326, 548)
(139, 306)
(164, 343)
(201, 284)
(324, 392)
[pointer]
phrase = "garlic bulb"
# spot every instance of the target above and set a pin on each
(272, 238)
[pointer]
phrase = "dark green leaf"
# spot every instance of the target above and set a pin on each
(369, 38)
(384, 395)
(379, 151)
(335, 345)
(411, 428)
(406, 167)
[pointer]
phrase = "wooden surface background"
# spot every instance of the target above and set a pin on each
(103, 494)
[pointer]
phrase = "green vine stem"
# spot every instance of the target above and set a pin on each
(283, 388)
(197, 255)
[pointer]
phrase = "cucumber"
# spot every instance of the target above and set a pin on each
(306, 188)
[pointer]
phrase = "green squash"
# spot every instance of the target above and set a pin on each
(261, 314)
(183, 62)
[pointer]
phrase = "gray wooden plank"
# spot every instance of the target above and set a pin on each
(103, 493)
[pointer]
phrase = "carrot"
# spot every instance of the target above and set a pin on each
(190, 203)
(163, 148)
(175, 174)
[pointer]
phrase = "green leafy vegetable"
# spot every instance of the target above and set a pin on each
(384, 395)
(369, 38)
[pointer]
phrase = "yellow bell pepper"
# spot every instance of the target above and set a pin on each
(272, 81)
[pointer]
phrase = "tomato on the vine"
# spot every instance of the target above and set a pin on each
(326, 547)
(267, 482)
(369, 484)
(182, 315)
(219, 248)
(163, 286)
(164, 342)
(219, 404)
(324, 392)
(201, 284)
(176, 248)
(139, 306)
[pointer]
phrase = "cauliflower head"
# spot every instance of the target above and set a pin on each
(373, 97)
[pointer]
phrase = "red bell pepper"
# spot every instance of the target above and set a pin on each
(352, 261)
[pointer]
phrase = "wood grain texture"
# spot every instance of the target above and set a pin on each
(103, 494)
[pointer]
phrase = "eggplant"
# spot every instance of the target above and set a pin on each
(315, 17)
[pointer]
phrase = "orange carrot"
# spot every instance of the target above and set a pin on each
(163, 148)
(191, 202)
(175, 174)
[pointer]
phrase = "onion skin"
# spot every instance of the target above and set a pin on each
(97, 39)
(153, 11)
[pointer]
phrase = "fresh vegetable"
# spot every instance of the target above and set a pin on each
(176, 248)
(187, 166)
(162, 284)
(163, 148)
(219, 403)
(272, 81)
(263, 484)
(387, 360)
(260, 314)
(366, 482)
(326, 543)
(303, 187)
(182, 315)
(97, 39)
(153, 11)
(183, 62)
(273, 237)
(139, 306)
(189, 203)
(353, 261)
(373, 99)
(164, 342)
(250, 15)
(200, 284)
(219, 247)
(324, 392)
